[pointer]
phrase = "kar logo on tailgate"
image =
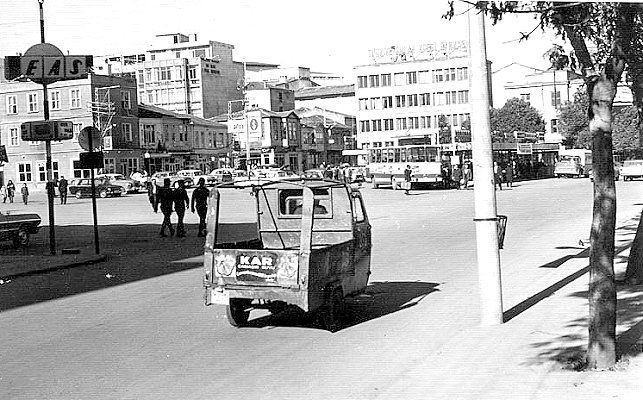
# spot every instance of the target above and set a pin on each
(257, 268)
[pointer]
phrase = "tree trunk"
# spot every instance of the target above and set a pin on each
(634, 271)
(601, 351)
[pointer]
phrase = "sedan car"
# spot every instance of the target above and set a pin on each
(83, 188)
(222, 175)
(18, 227)
(159, 178)
(128, 185)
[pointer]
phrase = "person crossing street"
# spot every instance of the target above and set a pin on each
(181, 203)
(200, 200)
(164, 198)
(62, 188)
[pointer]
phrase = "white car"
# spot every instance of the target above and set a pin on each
(632, 169)
(128, 185)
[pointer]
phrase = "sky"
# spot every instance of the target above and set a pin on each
(326, 36)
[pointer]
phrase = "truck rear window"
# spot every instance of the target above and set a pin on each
(291, 203)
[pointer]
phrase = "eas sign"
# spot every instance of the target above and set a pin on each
(45, 63)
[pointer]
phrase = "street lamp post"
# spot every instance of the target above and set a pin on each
(147, 156)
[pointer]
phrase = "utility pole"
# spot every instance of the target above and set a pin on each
(50, 174)
(485, 218)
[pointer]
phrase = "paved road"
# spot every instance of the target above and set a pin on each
(136, 327)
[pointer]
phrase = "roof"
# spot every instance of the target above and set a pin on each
(321, 111)
(150, 111)
(325, 91)
(314, 120)
(518, 65)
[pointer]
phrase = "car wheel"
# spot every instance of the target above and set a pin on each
(78, 195)
(102, 194)
(22, 237)
(237, 312)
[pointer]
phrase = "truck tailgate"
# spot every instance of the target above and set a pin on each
(253, 267)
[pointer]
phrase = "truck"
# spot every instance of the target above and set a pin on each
(573, 163)
(309, 246)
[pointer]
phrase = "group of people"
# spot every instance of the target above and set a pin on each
(457, 176)
(504, 174)
(342, 173)
(8, 192)
(176, 200)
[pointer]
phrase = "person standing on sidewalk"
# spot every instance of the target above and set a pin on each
(509, 174)
(497, 175)
(3, 192)
(457, 176)
(181, 203)
(200, 197)
(151, 187)
(11, 190)
(165, 198)
(466, 175)
(407, 179)
(62, 189)
(24, 191)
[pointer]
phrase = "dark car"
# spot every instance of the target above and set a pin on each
(18, 227)
(83, 188)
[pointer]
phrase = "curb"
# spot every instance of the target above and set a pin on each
(89, 261)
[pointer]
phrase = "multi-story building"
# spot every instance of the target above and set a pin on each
(404, 92)
(105, 101)
(269, 97)
(182, 74)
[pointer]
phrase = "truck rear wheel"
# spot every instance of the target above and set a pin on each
(237, 311)
(334, 309)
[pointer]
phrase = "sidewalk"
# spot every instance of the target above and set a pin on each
(14, 266)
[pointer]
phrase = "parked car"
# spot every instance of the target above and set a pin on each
(128, 185)
(83, 188)
(221, 175)
(632, 169)
(313, 174)
(18, 227)
(159, 177)
(192, 176)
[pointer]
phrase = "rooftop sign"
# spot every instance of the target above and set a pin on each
(45, 63)
(427, 51)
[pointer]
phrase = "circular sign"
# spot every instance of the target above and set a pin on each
(84, 136)
(254, 124)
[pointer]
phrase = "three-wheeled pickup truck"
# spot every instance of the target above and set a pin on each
(308, 246)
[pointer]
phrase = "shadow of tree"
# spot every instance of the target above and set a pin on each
(379, 299)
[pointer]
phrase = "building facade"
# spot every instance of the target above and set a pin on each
(106, 102)
(182, 74)
(405, 93)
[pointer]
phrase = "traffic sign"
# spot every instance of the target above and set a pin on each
(46, 130)
(91, 159)
(84, 137)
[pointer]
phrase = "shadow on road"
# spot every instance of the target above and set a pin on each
(382, 298)
(134, 252)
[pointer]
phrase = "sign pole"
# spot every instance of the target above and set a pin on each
(94, 212)
(50, 173)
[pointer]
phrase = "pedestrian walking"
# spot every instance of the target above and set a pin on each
(457, 176)
(62, 189)
(3, 192)
(446, 178)
(165, 198)
(200, 197)
(466, 175)
(407, 179)
(151, 193)
(24, 191)
(509, 174)
(181, 203)
(11, 190)
(497, 175)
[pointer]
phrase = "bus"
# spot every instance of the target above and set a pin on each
(387, 164)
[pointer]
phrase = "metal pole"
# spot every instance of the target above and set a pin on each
(484, 184)
(50, 173)
(245, 113)
(94, 211)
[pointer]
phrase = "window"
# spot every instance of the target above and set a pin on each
(449, 74)
(400, 124)
(526, 97)
(12, 104)
(32, 102)
(451, 97)
(377, 144)
(439, 99)
(76, 128)
(425, 99)
(24, 172)
(127, 131)
(375, 103)
(399, 79)
(411, 78)
(400, 101)
(437, 76)
(177, 54)
(362, 81)
(149, 136)
(374, 80)
(376, 124)
(412, 100)
(463, 97)
(463, 74)
(413, 122)
(363, 104)
(387, 102)
(42, 170)
(165, 73)
(192, 72)
(388, 124)
(80, 172)
(110, 165)
(364, 126)
(199, 53)
(126, 102)
(14, 137)
(386, 79)
(148, 74)
(555, 98)
(554, 126)
(389, 144)
(74, 98)
(54, 100)
(424, 76)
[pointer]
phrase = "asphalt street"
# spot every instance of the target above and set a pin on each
(135, 327)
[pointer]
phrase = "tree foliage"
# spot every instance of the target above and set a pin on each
(516, 115)
(573, 124)
(625, 132)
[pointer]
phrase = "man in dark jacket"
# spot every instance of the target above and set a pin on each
(165, 198)
(200, 199)
(62, 188)
(181, 202)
